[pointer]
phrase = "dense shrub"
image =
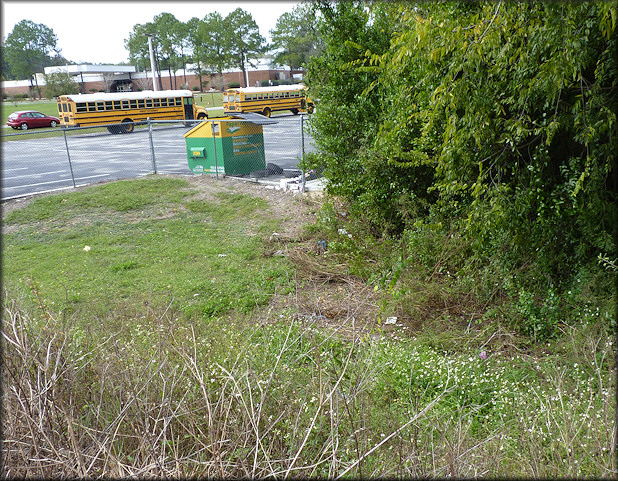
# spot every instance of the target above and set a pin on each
(496, 120)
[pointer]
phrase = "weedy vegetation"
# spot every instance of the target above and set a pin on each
(145, 334)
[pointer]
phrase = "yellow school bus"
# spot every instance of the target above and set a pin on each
(266, 100)
(126, 108)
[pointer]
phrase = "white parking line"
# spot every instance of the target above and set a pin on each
(56, 181)
(37, 174)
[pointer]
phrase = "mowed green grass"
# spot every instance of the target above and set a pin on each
(118, 243)
(48, 107)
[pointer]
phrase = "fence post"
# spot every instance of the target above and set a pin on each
(302, 146)
(214, 143)
(66, 144)
(152, 152)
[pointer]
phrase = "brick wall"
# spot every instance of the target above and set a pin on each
(142, 81)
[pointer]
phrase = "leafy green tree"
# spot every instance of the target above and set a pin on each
(245, 42)
(518, 125)
(137, 45)
(195, 45)
(295, 38)
(29, 48)
(215, 35)
(181, 39)
(496, 118)
(166, 27)
(57, 84)
(346, 121)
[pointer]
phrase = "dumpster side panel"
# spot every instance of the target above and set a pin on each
(239, 148)
(243, 147)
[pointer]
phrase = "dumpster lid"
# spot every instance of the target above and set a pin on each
(255, 118)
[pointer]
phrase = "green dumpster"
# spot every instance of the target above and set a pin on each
(225, 146)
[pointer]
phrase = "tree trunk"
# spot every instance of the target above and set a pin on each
(199, 74)
(184, 65)
(36, 81)
(157, 73)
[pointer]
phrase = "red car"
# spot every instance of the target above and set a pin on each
(29, 119)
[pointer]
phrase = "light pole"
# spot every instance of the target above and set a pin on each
(246, 71)
(152, 63)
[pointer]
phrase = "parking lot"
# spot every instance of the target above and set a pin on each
(34, 163)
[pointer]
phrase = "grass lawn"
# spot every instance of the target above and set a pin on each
(48, 107)
(166, 327)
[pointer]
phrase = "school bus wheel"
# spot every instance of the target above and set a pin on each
(294, 111)
(128, 128)
(266, 112)
(201, 116)
(310, 109)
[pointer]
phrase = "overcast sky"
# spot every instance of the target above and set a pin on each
(94, 31)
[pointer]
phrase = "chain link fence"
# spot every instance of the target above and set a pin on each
(265, 150)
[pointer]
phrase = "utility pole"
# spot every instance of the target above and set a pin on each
(152, 63)
(246, 72)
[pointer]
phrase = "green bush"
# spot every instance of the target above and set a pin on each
(499, 128)
(233, 85)
(60, 84)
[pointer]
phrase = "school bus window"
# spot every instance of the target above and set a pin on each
(116, 104)
(287, 95)
(100, 105)
(69, 108)
(156, 102)
(140, 104)
(109, 105)
(133, 104)
(188, 101)
(125, 104)
(82, 107)
(91, 107)
(178, 102)
(148, 103)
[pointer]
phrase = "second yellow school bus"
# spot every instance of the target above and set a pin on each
(126, 108)
(266, 100)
